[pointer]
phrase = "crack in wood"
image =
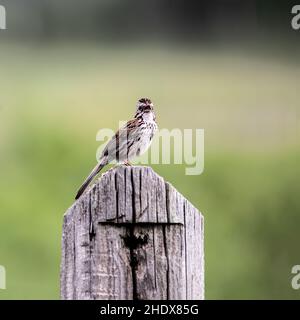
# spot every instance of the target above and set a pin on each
(168, 262)
(133, 242)
(142, 224)
(133, 261)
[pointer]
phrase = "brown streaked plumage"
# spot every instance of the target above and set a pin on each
(129, 141)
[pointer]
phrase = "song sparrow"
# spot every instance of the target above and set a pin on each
(130, 141)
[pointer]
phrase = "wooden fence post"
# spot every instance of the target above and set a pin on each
(132, 236)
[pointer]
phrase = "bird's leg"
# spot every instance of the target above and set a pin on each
(127, 164)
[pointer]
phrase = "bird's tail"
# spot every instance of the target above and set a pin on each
(88, 180)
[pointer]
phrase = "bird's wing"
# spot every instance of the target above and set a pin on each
(121, 142)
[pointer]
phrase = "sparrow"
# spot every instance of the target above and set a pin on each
(130, 141)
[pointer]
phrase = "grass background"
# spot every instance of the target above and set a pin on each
(55, 98)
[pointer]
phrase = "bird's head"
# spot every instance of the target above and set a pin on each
(144, 107)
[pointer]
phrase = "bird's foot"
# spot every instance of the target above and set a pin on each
(127, 164)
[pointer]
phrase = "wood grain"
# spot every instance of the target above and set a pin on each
(132, 236)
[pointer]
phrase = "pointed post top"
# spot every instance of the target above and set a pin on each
(134, 194)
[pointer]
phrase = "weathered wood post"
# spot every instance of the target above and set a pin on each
(132, 236)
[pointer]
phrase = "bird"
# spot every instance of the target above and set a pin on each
(130, 141)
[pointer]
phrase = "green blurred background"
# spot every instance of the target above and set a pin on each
(68, 69)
